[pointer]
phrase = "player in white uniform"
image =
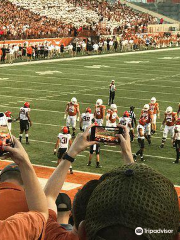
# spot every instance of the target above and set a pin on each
(141, 137)
(25, 120)
(126, 120)
(9, 119)
(86, 119)
(62, 144)
(112, 116)
(176, 140)
(73, 114)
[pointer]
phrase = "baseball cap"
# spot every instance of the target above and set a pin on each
(11, 167)
(133, 196)
(63, 202)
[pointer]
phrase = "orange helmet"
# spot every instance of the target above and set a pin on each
(65, 130)
(88, 110)
(126, 114)
(8, 114)
(27, 105)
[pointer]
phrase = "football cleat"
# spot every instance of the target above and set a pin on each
(89, 164)
(99, 102)
(88, 109)
(113, 107)
(71, 171)
(65, 130)
(142, 159)
(153, 100)
(73, 100)
(169, 110)
(135, 157)
(176, 162)
(146, 107)
(27, 105)
(126, 114)
(161, 146)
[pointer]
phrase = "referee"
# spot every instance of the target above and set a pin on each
(133, 121)
(112, 89)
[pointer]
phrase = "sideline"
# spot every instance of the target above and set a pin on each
(89, 57)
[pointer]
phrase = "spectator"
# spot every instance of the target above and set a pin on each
(28, 225)
(63, 203)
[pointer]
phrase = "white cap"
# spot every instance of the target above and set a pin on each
(99, 102)
(73, 100)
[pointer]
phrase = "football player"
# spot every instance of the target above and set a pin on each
(73, 114)
(112, 116)
(25, 121)
(86, 119)
(126, 121)
(154, 108)
(141, 136)
(62, 144)
(94, 148)
(133, 121)
(169, 121)
(176, 140)
(99, 113)
(178, 111)
(148, 116)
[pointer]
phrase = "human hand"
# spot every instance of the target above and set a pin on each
(16, 153)
(80, 143)
(55, 151)
(125, 145)
(64, 116)
(161, 128)
(77, 119)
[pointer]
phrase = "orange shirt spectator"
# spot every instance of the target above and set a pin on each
(29, 50)
(12, 200)
(23, 226)
(55, 231)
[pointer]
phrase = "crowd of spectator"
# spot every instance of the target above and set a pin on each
(112, 207)
(78, 47)
(24, 19)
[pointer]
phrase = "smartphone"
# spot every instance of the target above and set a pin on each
(106, 135)
(5, 134)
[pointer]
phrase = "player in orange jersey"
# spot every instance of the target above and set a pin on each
(169, 121)
(154, 108)
(99, 112)
(73, 114)
(147, 115)
(112, 116)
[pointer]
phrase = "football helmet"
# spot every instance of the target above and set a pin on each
(113, 107)
(8, 114)
(99, 102)
(65, 130)
(113, 81)
(73, 100)
(178, 121)
(27, 105)
(146, 107)
(126, 114)
(88, 109)
(169, 110)
(153, 100)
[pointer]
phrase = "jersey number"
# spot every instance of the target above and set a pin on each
(64, 140)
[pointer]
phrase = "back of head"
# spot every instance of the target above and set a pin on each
(11, 173)
(132, 196)
(81, 200)
(63, 203)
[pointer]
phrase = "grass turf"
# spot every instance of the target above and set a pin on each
(50, 85)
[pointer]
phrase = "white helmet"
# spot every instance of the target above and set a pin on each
(169, 110)
(146, 107)
(73, 100)
(99, 102)
(113, 81)
(113, 107)
(153, 100)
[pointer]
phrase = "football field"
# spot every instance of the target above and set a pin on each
(50, 85)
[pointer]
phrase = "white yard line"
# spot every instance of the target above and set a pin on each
(89, 57)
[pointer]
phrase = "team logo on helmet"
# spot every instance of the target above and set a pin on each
(126, 114)
(99, 102)
(169, 110)
(88, 110)
(27, 105)
(65, 130)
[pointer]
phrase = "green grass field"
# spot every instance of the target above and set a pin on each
(49, 86)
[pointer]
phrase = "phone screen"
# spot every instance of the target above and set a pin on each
(106, 135)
